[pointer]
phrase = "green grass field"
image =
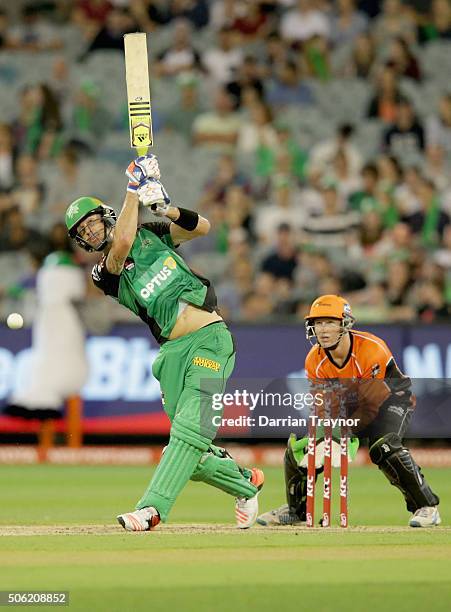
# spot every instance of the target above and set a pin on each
(73, 543)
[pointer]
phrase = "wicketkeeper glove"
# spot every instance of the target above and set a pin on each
(299, 448)
(140, 169)
(153, 195)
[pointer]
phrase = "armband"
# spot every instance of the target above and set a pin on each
(187, 220)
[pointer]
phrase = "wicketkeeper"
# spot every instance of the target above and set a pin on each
(142, 270)
(384, 405)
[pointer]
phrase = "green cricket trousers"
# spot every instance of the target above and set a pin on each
(191, 371)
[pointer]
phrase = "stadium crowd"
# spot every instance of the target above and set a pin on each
(305, 197)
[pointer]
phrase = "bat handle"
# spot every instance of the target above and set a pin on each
(142, 151)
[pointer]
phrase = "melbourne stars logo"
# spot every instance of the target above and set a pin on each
(73, 209)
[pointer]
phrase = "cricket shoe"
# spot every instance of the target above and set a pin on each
(139, 520)
(246, 510)
(428, 516)
(279, 516)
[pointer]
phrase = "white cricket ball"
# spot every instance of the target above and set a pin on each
(14, 321)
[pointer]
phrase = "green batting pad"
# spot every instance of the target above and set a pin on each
(218, 469)
(176, 467)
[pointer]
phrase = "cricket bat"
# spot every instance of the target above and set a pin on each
(138, 91)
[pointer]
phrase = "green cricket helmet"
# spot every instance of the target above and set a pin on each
(81, 209)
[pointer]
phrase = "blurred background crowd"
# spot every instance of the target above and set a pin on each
(314, 134)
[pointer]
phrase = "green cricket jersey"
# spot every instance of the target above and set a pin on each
(155, 281)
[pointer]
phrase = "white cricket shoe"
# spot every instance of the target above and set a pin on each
(428, 516)
(246, 510)
(278, 516)
(139, 520)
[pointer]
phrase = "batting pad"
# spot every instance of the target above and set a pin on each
(176, 467)
(219, 470)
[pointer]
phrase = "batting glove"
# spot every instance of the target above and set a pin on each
(143, 167)
(153, 195)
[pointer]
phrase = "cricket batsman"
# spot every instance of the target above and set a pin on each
(141, 269)
(386, 409)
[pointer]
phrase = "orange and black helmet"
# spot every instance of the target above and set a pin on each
(330, 307)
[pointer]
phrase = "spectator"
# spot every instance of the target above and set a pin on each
(187, 106)
(314, 268)
(63, 185)
(7, 157)
(89, 121)
(90, 16)
(287, 88)
(438, 127)
(235, 284)
(284, 207)
(222, 60)
(5, 41)
(347, 181)
(60, 82)
(256, 307)
(362, 58)
(370, 304)
(393, 22)
(33, 33)
(6, 203)
(226, 175)
(59, 239)
(282, 262)
(371, 230)
(438, 25)
(246, 76)
(218, 129)
(334, 227)
(346, 23)
(150, 14)
(324, 153)
(397, 243)
(398, 282)
(436, 168)
(181, 56)
(194, 11)
(277, 52)
(111, 35)
(430, 303)
(384, 103)
(37, 128)
(406, 196)
(402, 60)
(286, 157)
(237, 218)
(224, 13)
(372, 8)
(430, 222)
(303, 22)
(252, 22)
(390, 172)
(258, 131)
(375, 197)
(317, 58)
(405, 137)
(28, 191)
(15, 235)
(443, 255)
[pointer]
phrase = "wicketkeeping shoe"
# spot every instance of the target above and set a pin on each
(246, 510)
(428, 516)
(278, 516)
(139, 520)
